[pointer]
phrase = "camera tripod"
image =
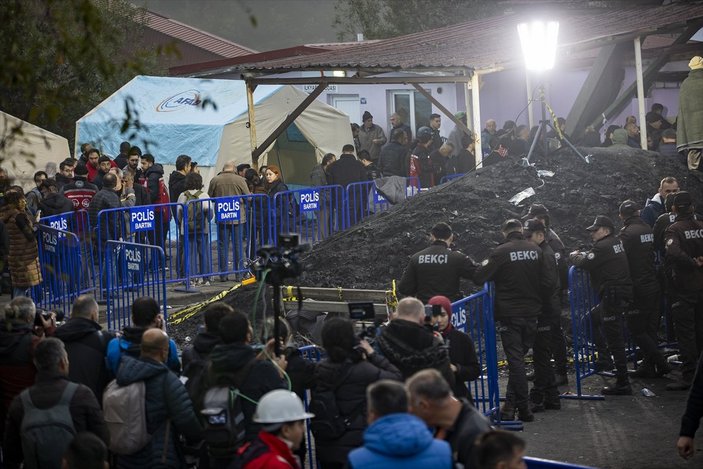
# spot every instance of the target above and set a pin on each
(542, 132)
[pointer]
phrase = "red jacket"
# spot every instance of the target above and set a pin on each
(279, 456)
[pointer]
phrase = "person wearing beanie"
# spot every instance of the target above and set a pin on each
(689, 130)
(371, 137)
(462, 353)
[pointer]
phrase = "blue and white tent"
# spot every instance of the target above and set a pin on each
(207, 120)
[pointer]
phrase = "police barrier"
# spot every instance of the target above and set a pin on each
(474, 316)
(315, 213)
(77, 222)
(451, 177)
(60, 263)
(132, 270)
(235, 226)
(582, 300)
(145, 224)
(364, 200)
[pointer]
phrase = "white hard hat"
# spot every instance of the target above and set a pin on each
(280, 406)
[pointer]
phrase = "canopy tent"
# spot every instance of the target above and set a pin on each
(27, 148)
(207, 120)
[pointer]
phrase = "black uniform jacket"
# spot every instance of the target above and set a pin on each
(436, 270)
(607, 264)
(638, 240)
(516, 267)
(684, 242)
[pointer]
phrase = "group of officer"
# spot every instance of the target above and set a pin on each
(529, 270)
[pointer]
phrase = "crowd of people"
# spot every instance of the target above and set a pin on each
(77, 396)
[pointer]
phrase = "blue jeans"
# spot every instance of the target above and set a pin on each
(230, 245)
(200, 256)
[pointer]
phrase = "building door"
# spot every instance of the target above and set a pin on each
(412, 107)
(349, 105)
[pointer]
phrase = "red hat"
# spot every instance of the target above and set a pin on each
(444, 302)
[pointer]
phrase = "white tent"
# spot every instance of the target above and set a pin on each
(27, 149)
(207, 120)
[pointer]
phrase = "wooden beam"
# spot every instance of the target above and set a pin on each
(256, 152)
(476, 114)
(648, 76)
(252, 123)
(358, 81)
(441, 107)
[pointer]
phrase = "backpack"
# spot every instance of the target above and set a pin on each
(46, 433)
(162, 198)
(329, 424)
(194, 215)
(222, 417)
(124, 410)
(247, 453)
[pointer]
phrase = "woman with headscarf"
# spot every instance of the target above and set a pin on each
(462, 354)
(23, 258)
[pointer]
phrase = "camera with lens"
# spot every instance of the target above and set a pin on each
(430, 311)
(280, 261)
(42, 313)
(364, 316)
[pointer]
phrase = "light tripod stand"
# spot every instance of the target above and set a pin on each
(542, 133)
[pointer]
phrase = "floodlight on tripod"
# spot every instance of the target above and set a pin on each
(539, 46)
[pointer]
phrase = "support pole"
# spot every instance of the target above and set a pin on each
(530, 103)
(252, 124)
(640, 93)
(476, 114)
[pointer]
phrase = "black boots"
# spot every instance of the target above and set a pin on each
(621, 388)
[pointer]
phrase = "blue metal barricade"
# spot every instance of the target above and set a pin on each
(582, 300)
(146, 224)
(474, 316)
(132, 270)
(450, 177)
(222, 235)
(315, 213)
(77, 222)
(364, 200)
(60, 262)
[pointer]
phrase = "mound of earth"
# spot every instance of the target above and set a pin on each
(374, 252)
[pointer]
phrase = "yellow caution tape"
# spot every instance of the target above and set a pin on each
(190, 311)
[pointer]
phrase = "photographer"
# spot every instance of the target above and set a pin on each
(462, 353)
(19, 337)
(342, 379)
(412, 347)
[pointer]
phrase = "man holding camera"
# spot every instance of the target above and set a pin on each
(409, 345)
(437, 269)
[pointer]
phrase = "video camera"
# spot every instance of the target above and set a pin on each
(281, 261)
(42, 313)
(430, 311)
(364, 313)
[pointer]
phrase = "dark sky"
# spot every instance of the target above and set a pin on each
(281, 23)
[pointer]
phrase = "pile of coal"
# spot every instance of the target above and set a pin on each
(375, 252)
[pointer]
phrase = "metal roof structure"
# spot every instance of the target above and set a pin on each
(489, 44)
(195, 37)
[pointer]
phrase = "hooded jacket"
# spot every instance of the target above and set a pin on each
(411, 348)
(350, 396)
(228, 362)
(176, 185)
(152, 177)
(55, 203)
(129, 344)
(86, 346)
(169, 412)
(400, 441)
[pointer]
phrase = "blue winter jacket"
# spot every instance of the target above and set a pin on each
(400, 441)
(130, 343)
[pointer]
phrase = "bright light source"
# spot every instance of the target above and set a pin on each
(539, 44)
(339, 73)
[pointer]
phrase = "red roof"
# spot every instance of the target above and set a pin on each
(194, 36)
(487, 44)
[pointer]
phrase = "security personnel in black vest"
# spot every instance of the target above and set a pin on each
(516, 267)
(544, 393)
(644, 317)
(558, 343)
(610, 277)
(437, 269)
(684, 252)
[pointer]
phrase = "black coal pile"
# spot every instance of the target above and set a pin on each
(374, 252)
